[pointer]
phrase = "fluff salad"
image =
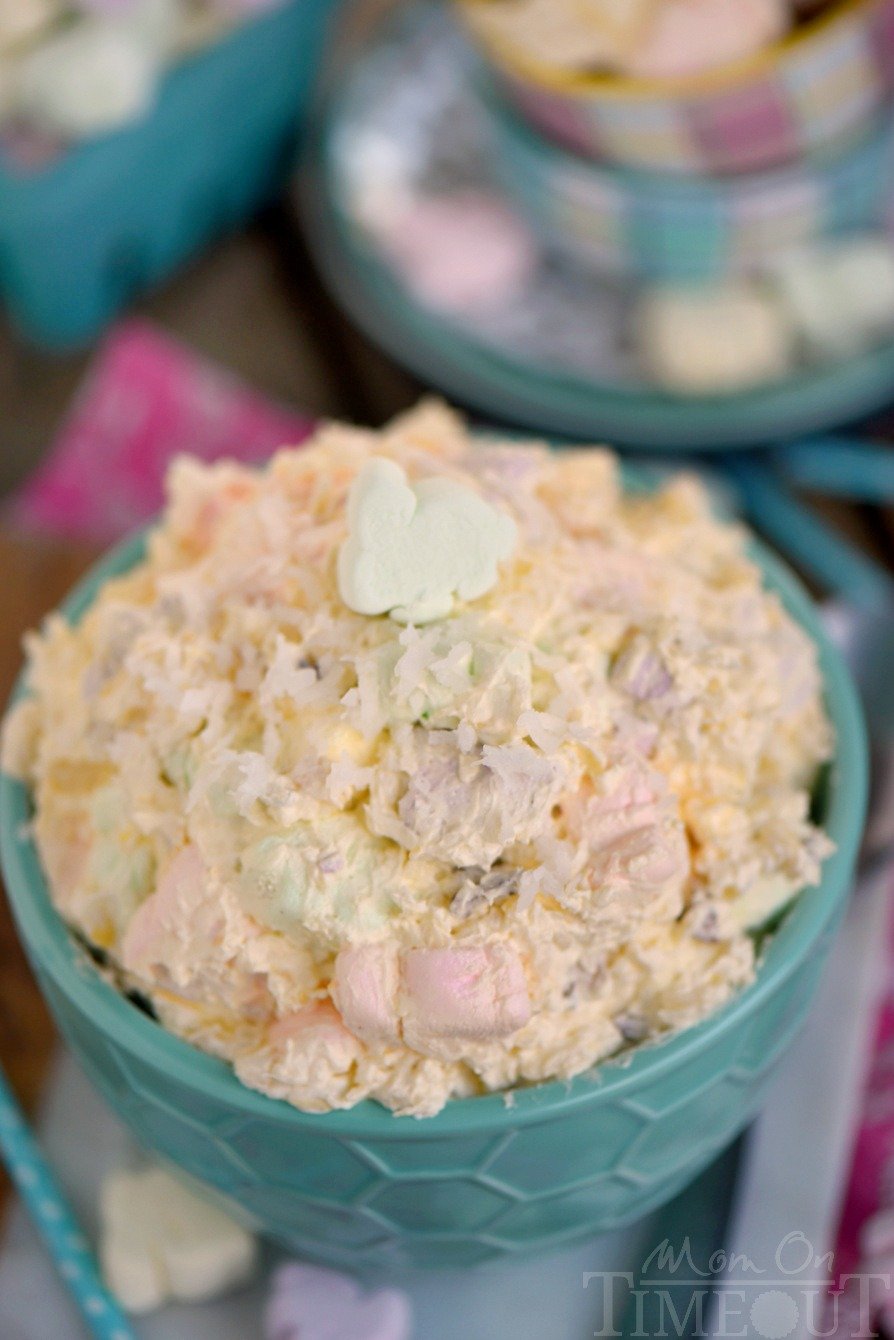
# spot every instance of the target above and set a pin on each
(365, 858)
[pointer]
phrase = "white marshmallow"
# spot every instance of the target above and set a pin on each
(713, 339)
(160, 1242)
(839, 297)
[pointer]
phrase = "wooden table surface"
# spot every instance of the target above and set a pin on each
(255, 305)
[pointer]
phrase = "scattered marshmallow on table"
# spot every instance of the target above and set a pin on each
(713, 339)
(313, 1303)
(160, 1242)
(840, 296)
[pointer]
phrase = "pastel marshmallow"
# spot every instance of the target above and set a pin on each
(474, 992)
(412, 549)
(313, 1303)
(712, 339)
(307, 1052)
(638, 846)
(587, 34)
(155, 25)
(686, 37)
(159, 1242)
(364, 988)
(839, 297)
(462, 252)
(317, 1027)
(179, 891)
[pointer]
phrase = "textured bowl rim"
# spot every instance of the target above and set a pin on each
(56, 955)
(622, 88)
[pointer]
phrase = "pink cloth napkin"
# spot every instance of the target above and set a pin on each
(146, 399)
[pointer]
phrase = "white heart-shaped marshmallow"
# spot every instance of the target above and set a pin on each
(412, 548)
(160, 1242)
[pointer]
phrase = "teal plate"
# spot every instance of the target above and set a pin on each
(531, 396)
(513, 387)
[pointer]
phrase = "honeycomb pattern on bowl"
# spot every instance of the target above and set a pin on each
(458, 1200)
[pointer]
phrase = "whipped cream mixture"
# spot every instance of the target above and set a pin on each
(365, 858)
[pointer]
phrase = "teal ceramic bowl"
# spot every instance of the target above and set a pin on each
(487, 1176)
(510, 387)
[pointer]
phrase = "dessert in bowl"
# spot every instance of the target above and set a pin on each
(690, 85)
(387, 821)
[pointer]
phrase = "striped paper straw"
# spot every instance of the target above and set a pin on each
(56, 1224)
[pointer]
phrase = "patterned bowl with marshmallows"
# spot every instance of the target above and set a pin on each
(650, 225)
(802, 95)
(496, 1175)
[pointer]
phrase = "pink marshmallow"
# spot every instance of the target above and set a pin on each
(632, 803)
(364, 989)
(462, 252)
(312, 1303)
(652, 857)
(630, 840)
(475, 992)
(319, 1018)
(180, 888)
(689, 36)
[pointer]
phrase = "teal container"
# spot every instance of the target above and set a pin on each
(513, 388)
(486, 1176)
(116, 215)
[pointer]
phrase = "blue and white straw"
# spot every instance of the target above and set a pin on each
(56, 1224)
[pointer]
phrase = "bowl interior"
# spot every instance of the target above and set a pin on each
(841, 803)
